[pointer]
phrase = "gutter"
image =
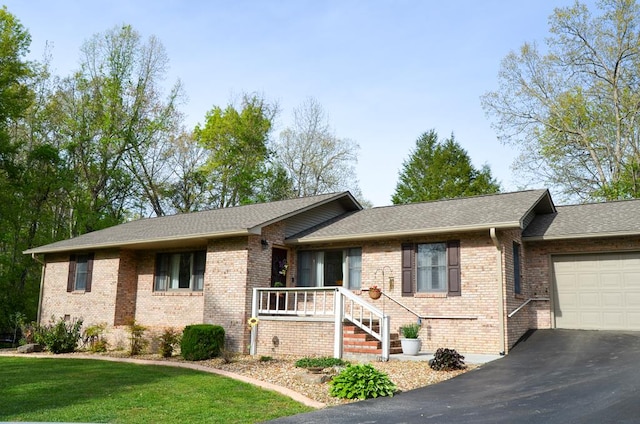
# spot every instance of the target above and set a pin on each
(399, 234)
(580, 236)
(500, 278)
(44, 268)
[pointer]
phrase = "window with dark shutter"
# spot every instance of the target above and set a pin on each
(516, 268)
(71, 279)
(80, 272)
(407, 269)
(453, 268)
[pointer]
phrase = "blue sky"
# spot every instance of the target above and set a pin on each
(385, 71)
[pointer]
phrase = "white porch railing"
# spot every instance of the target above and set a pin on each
(334, 303)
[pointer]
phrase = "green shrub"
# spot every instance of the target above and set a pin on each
(59, 337)
(136, 337)
(320, 362)
(93, 336)
(202, 341)
(410, 331)
(447, 360)
(168, 341)
(362, 382)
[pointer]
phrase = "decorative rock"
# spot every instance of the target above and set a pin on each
(307, 378)
(30, 348)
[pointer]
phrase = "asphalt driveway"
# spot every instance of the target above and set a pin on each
(555, 376)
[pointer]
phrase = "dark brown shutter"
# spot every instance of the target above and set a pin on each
(89, 272)
(453, 267)
(71, 279)
(407, 269)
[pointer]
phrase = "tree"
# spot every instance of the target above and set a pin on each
(315, 159)
(115, 128)
(441, 170)
(237, 144)
(575, 109)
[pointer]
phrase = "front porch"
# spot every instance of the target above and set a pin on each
(330, 321)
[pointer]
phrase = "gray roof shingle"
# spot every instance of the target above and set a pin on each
(506, 210)
(197, 225)
(588, 220)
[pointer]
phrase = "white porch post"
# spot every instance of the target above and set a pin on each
(338, 309)
(254, 330)
(386, 336)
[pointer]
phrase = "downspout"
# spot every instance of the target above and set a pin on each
(500, 277)
(35, 258)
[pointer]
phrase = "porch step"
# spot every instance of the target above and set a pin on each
(356, 340)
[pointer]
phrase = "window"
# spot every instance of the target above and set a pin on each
(431, 268)
(317, 268)
(516, 268)
(180, 271)
(80, 272)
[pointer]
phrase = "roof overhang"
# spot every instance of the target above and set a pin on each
(583, 236)
(145, 244)
(399, 234)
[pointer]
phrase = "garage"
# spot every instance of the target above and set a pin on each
(597, 291)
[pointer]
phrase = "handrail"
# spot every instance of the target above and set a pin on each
(531, 299)
(470, 317)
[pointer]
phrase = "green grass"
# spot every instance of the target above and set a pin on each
(33, 389)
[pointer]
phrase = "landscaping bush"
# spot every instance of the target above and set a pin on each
(447, 360)
(136, 337)
(168, 341)
(59, 337)
(202, 341)
(320, 362)
(362, 382)
(410, 331)
(94, 337)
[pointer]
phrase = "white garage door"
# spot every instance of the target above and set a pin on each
(597, 292)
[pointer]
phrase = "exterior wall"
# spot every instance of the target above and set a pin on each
(538, 270)
(127, 287)
(94, 307)
(301, 338)
(234, 267)
(158, 310)
(468, 323)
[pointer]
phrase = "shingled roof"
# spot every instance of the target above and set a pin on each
(196, 226)
(507, 210)
(588, 220)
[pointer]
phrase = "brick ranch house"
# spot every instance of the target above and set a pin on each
(476, 273)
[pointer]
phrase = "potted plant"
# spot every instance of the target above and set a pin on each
(411, 344)
(375, 292)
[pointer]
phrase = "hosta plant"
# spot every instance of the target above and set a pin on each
(362, 382)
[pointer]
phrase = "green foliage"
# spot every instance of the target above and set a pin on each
(447, 360)
(441, 170)
(410, 331)
(362, 382)
(137, 342)
(60, 390)
(572, 106)
(319, 362)
(61, 336)
(266, 358)
(237, 144)
(201, 341)
(169, 339)
(94, 337)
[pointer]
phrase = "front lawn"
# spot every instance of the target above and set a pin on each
(33, 389)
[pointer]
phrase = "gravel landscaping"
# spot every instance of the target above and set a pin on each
(282, 371)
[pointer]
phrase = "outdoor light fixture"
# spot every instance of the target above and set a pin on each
(264, 243)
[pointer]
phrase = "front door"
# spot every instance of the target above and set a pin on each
(279, 267)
